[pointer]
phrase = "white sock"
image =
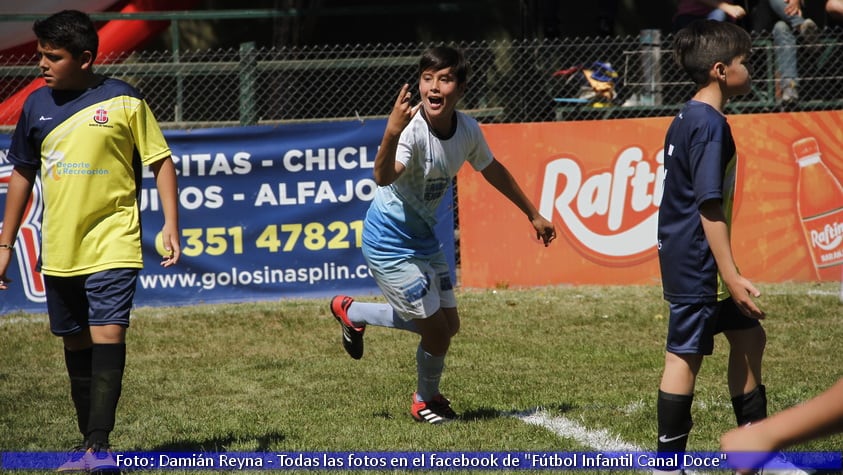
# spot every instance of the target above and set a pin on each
(380, 315)
(429, 369)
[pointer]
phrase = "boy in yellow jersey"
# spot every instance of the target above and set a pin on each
(89, 136)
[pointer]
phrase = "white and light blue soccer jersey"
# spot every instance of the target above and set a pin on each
(700, 159)
(89, 146)
(401, 218)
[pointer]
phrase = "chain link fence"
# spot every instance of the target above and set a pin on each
(511, 81)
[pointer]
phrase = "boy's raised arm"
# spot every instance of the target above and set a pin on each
(386, 170)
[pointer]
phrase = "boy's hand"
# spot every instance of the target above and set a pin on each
(793, 7)
(748, 446)
(734, 11)
(402, 112)
(544, 230)
(172, 245)
(743, 292)
(5, 258)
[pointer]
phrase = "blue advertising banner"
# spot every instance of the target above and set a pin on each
(266, 212)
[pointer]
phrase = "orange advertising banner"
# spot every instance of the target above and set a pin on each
(600, 182)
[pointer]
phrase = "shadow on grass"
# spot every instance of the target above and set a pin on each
(218, 444)
(489, 413)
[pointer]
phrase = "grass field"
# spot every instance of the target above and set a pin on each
(272, 376)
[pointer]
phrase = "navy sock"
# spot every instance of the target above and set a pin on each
(674, 419)
(107, 366)
(752, 406)
(78, 365)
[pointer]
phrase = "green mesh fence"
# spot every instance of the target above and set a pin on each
(511, 81)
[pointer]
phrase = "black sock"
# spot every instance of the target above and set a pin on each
(674, 418)
(78, 365)
(107, 366)
(750, 407)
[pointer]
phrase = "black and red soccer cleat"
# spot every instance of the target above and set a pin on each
(352, 336)
(436, 411)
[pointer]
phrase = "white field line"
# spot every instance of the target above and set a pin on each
(826, 292)
(600, 440)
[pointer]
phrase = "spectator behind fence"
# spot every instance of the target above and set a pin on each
(788, 22)
(834, 11)
(690, 10)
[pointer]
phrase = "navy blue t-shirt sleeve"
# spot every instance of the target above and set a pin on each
(706, 162)
(22, 150)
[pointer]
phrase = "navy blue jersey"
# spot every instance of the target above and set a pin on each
(699, 164)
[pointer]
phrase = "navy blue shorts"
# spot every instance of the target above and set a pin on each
(692, 327)
(102, 298)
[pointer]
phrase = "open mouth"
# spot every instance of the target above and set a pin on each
(435, 101)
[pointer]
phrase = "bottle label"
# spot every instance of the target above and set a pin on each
(825, 237)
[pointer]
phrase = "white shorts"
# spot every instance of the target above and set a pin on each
(414, 287)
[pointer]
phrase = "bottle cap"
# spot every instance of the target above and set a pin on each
(805, 147)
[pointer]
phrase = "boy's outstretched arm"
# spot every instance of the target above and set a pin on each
(166, 182)
(717, 234)
(817, 417)
(17, 195)
(498, 176)
(386, 170)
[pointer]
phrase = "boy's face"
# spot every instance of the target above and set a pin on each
(60, 70)
(738, 78)
(440, 92)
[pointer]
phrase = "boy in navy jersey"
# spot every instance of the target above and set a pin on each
(89, 136)
(706, 293)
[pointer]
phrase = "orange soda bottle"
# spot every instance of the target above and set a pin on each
(819, 202)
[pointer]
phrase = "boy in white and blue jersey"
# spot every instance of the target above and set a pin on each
(422, 149)
(89, 137)
(707, 294)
